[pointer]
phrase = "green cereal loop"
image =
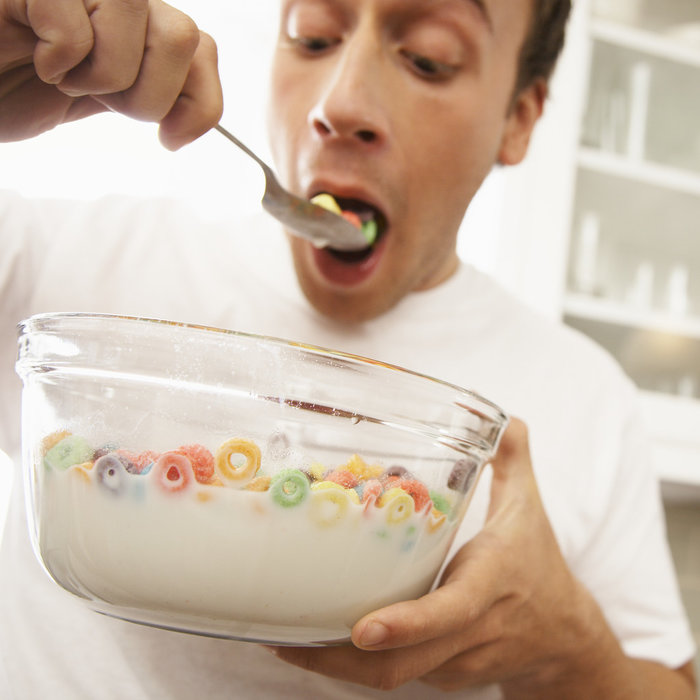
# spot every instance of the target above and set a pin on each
(290, 487)
(70, 451)
(440, 502)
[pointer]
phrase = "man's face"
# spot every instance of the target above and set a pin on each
(400, 107)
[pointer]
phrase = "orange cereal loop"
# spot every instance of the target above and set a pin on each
(202, 461)
(418, 491)
(436, 519)
(80, 471)
(344, 477)
(259, 483)
(225, 462)
(53, 439)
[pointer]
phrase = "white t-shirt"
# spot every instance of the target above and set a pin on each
(153, 259)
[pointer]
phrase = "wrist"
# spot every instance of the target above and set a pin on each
(591, 664)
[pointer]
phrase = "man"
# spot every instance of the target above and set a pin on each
(399, 108)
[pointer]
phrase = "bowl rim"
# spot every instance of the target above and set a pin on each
(477, 403)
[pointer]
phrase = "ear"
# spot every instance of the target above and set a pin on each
(524, 113)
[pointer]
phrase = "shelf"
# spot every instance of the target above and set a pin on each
(645, 41)
(605, 311)
(643, 172)
(673, 426)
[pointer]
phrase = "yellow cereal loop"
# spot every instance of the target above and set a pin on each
(399, 505)
(324, 485)
(225, 460)
(327, 201)
(328, 504)
(317, 470)
(80, 471)
(363, 471)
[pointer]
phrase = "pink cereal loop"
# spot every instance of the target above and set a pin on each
(173, 471)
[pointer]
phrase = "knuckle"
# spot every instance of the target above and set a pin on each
(183, 34)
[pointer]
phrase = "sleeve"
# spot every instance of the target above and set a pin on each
(20, 241)
(627, 563)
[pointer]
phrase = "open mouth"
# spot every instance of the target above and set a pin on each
(366, 217)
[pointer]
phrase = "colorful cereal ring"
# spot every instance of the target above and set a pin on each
(289, 487)
(71, 450)
(357, 466)
(436, 519)
(399, 505)
(225, 466)
(371, 492)
(440, 502)
(463, 475)
(110, 474)
(343, 477)
(328, 504)
(173, 472)
(53, 439)
(202, 461)
(417, 490)
(325, 485)
(259, 483)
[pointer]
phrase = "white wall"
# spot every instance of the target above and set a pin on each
(111, 154)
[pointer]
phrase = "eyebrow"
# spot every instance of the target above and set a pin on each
(483, 10)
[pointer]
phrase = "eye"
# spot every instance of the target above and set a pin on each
(314, 44)
(428, 68)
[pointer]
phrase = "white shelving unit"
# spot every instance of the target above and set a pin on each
(601, 224)
(633, 262)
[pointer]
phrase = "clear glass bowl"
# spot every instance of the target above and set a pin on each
(239, 486)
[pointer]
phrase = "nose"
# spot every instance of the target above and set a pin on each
(352, 104)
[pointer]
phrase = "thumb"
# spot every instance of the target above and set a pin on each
(513, 480)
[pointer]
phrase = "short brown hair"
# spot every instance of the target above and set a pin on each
(544, 41)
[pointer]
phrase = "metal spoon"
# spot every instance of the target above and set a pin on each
(320, 226)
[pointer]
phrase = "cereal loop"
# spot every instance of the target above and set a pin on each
(328, 504)
(436, 519)
(417, 490)
(53, 439)
(357, 466)
(260, 483)
(325, 485)
(202, 461)
(173, 472)
(399, 505)
(289, 487)
(225, 465)
(343, 477)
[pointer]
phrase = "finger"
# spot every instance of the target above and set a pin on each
(385, 670)
(30, 106)
(61, 35)
(200, 105)
(391, 668)
(114, 61)
(455, 608)
(171, 43)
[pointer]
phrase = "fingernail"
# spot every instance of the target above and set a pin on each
(56, 79)
(373, 634)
